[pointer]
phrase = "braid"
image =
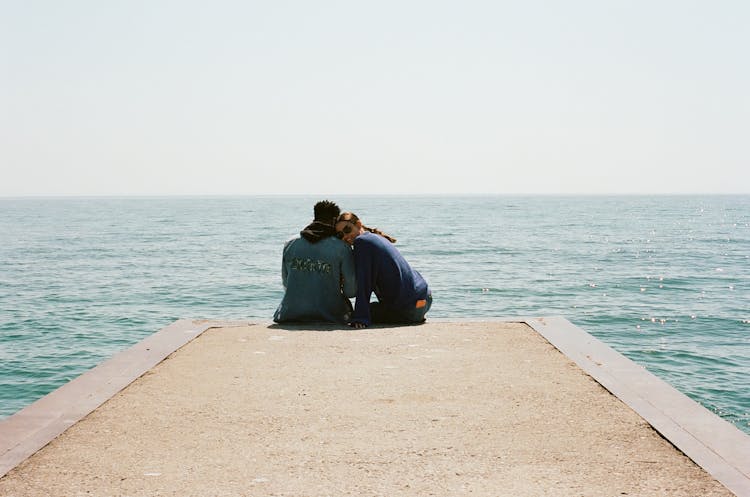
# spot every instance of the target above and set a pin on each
(352, 218)
(378, 232)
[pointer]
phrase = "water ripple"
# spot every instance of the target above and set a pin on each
(664, 280)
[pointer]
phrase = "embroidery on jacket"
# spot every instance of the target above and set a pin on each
(311, 265)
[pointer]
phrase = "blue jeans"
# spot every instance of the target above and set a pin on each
(382, 314)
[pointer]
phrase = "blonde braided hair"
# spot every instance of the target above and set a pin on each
(352, 218)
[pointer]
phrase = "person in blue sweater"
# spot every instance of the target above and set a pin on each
(317, 271)
(403, 296)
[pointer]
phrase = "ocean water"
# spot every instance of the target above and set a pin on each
(665, 280)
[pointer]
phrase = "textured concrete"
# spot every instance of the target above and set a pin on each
(446, 408)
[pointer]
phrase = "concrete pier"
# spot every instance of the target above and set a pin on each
(525, 407)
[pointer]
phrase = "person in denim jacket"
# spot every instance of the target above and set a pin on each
(317, 272)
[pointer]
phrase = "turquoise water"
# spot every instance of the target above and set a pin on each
(664, 280)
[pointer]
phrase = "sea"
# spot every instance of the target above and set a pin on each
(664, 280)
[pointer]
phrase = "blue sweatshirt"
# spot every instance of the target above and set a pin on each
(318, 278)
(381, 268)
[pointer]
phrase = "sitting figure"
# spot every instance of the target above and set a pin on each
(317, 271)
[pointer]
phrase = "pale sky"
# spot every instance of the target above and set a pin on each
(152, 97)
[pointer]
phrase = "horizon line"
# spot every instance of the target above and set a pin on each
(369, 194)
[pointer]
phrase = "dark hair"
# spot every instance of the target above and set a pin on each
(326, 211)
(352, 218)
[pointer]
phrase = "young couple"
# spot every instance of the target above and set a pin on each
(336, 258)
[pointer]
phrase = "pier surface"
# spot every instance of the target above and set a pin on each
(444, 408)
